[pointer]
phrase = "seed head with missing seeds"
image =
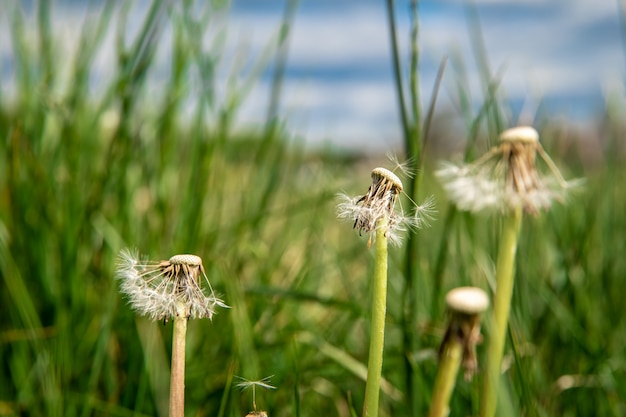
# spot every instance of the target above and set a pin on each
(465, 305)
(506, 177)
(166, 289)
(380, 200)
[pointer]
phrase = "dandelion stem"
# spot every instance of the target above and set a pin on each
(177, 378)
(505, 275)
(379, 309)
(466, 305)
(449, 364)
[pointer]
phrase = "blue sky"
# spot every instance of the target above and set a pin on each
(567, 55)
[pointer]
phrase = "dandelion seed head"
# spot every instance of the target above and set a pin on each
(506, 177)
(167, 289)
(380, 202)
(466, 304)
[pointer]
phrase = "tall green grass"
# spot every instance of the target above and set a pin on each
(82, 177)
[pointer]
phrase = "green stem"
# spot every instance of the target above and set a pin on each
(505, 274)
(397, 71)
(177, 378)
(379, 309)
(446, 378)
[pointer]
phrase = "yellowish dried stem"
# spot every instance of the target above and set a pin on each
(177, 377)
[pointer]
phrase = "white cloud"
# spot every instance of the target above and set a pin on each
(344, 87)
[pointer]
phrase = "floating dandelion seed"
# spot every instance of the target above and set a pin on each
(380, 201)
(261, 383)
(506, 177)
(404, 167)
(167, 289)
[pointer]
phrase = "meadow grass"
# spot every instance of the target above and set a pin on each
(83, 177)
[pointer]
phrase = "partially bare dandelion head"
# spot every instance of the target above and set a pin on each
(380, 203)
(507, 176)
(167, 289)
(465, 305)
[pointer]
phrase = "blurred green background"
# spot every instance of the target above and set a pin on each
(84, 176)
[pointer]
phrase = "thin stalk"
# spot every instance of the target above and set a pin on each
(430, 112)
(379, 309)
(480, 54)
(397, 71)
(505, 275)
(415, 149)
(177, 378)
(442, 258)
(447, 371)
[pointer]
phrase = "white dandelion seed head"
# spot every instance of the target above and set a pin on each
(380, 202)
(506, 177)
(166, 289)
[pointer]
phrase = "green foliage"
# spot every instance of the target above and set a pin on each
(82, 177)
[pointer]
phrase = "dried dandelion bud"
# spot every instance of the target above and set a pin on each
(507, 177)
(166, 289)
(465, 304)
(380, 202)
